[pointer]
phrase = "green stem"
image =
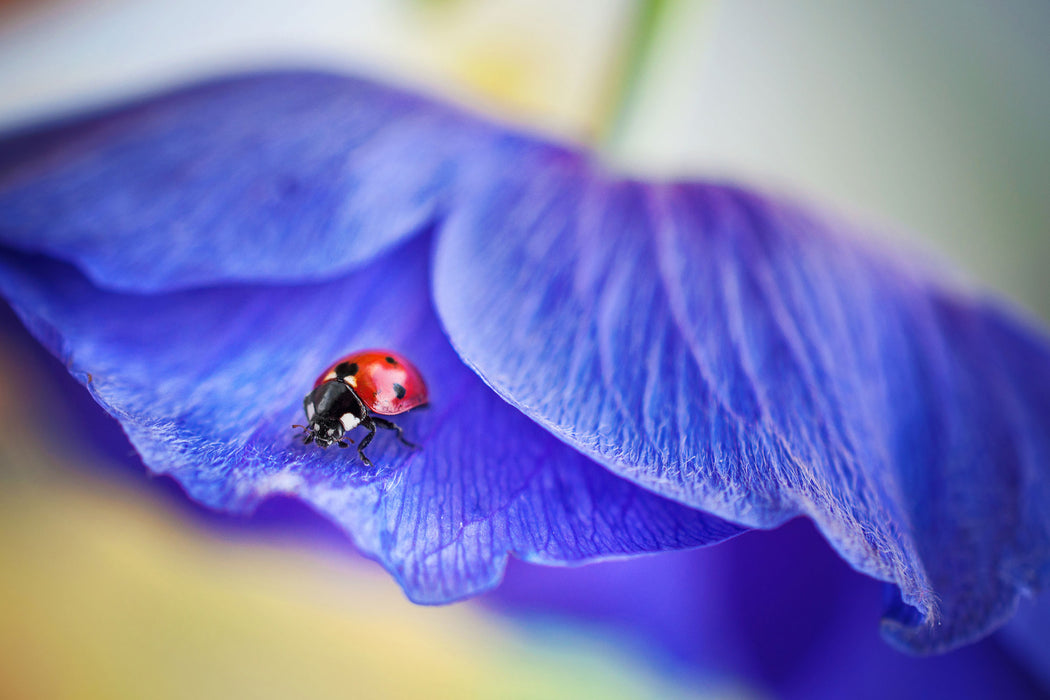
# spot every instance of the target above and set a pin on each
(630, 69)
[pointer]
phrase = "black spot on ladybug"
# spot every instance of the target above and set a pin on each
(399, 390)
(391, 360)
(346, 369)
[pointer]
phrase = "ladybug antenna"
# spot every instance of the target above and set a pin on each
(307, 434)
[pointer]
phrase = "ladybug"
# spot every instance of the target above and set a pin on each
(357, 390)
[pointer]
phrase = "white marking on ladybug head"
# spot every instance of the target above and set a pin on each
(310, 411)
(349, 421)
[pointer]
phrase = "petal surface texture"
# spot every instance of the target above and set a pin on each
(740, 356)
(207, 384)
(730, 353)
(284, 176)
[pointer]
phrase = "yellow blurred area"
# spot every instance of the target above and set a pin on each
(107, 591)
(517, 62)
(106, 594)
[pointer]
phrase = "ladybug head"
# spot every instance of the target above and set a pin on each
(331, 409)
(324, 433)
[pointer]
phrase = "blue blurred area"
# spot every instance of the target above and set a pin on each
(778, 608)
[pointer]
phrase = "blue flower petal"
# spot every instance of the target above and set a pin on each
(283, 176)
(1028, 636)
(207, 383)
(721, 350)
(713, 613)
(733, 354)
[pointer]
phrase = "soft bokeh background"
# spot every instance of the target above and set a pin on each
(928, 117)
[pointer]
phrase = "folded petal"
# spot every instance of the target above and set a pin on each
(207, 384)
(282, 176)
(737, 355)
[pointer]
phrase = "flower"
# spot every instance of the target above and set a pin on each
(708, 618)
(666, 363)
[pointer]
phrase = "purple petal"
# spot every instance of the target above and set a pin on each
(715, 613)
(207, 384)
(1028, 636)
(283, 176)
(734, 354)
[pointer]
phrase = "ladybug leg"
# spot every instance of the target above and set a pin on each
(391, 425)
(365, 442)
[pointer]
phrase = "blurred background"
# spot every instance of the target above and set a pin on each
(927, 118)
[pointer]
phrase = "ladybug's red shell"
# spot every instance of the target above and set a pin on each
(386, 382)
